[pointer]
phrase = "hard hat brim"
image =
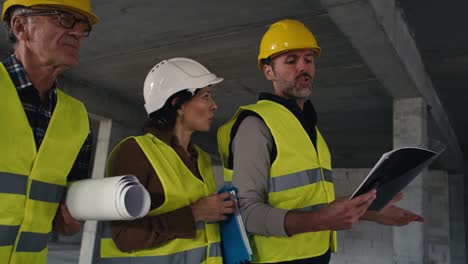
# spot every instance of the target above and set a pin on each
(93, 18)
(316, 51)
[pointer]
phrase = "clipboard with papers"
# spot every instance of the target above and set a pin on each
(234, 240)
(393, 172)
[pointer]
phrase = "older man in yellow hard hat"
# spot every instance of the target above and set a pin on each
(45, 137)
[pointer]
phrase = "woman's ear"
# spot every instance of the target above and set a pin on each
(180, 108)
(174, 102)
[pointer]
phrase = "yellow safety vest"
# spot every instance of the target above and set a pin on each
(300, 180)
(181, 188)
(33, 182)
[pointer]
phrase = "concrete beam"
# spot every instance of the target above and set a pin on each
(103, 103)
(382, 38)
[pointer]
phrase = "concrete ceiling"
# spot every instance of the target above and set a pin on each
(440, 32)
(354, 107)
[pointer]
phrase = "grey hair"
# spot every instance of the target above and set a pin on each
(11, 12)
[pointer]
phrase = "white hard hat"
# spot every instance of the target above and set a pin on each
(171, 76)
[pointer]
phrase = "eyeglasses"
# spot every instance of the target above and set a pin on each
(65, 19)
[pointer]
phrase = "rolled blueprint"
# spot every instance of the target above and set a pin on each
(111, 198)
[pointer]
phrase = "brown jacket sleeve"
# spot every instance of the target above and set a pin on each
(149, 231)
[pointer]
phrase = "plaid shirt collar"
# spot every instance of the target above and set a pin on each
(19, 77)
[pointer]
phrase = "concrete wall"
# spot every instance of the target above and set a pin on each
(366, 243)
(374, 243)
(457, 218)
(436, 212)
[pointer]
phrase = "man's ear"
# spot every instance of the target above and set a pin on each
(18, 25)
(268, 71)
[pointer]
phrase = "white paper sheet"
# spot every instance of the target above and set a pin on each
(112, 198)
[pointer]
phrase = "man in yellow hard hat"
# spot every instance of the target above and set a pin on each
(45, 140)
(273, 152)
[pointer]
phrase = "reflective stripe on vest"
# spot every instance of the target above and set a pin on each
(294, 180)
(32, 242)
(13, 183)
(8, 235)
(192, 256)
(181, 188)
(34, 181)
(46, 192)
(215, 249)
(297, 179)
(300, 180)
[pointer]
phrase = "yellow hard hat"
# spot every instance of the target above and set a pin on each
(80, 6)
(285, 35)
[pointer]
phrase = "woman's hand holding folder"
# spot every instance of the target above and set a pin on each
(213, 208)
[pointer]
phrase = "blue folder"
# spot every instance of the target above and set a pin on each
(235, 244)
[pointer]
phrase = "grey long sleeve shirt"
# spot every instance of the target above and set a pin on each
(252, 147)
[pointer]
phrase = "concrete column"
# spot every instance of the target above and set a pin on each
(410, 129)
(457, 219)
(90, 227)
(437, 218)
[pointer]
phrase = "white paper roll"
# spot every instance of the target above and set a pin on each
(112, 198)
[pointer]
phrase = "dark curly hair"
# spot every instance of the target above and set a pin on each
(165, 117)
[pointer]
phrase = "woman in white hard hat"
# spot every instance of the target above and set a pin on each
(181, 225)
